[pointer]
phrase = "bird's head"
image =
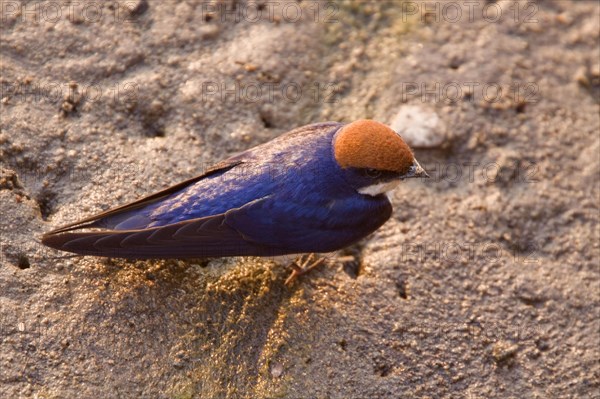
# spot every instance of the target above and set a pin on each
(373, 157)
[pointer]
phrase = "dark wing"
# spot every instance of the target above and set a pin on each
(310, 227)
(209, 236)
(259, 228)
(93, 221)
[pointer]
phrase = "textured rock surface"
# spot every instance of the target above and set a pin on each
(484, 284)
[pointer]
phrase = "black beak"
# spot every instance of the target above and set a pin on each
(415, 170)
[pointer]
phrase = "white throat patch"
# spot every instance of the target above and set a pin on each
(380, 188)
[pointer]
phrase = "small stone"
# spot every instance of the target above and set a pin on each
(67, 107)
(208, 32)
(180, 360)
(137, 8)
(564, 18)
(277, 370)
(581, 77)
(503, 351)
(527, 293)
(250, 67)
(419, 127)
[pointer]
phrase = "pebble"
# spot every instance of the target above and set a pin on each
(503, 351)
(420, 127)
(276, 370)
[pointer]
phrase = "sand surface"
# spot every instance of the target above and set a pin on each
(484, 283)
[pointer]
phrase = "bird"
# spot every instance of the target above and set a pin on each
(316, 189)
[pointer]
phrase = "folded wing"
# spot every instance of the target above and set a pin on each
(203, 237)
(207, 236)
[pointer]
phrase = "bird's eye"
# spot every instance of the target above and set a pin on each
(373, 173)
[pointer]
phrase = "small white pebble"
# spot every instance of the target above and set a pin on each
(277, 370)
(419, 127)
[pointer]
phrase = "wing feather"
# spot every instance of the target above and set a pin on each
(93, 221)
(209, 236)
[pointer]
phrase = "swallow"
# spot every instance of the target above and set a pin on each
(315, 189)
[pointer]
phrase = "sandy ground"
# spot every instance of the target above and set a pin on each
(484, 284)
